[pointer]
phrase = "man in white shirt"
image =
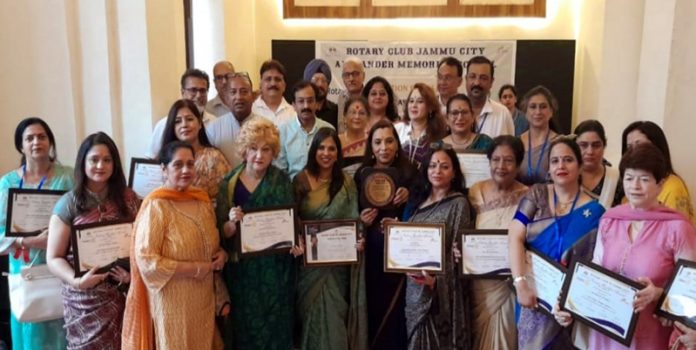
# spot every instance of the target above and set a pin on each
(271, 104)
(492, 118)
(353, 79)
(217, 106)
(296, 134)
(223, 131)
(194, 87)
(449, 79)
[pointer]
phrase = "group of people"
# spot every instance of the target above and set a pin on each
(188, 287)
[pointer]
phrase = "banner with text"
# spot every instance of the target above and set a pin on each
(405, 63)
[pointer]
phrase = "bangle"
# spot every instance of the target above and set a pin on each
(518, 279)
(198, 271)
(20, 241)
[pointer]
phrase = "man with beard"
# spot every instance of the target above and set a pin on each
(194, 87)
(296, 134)
(318, 72)
(271, 104)
(353, 78)
(449, 79)
(223, 132)
(492, 118)
(217, 106)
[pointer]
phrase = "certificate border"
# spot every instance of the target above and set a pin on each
(470, 151)
(340, 222)
(364, 173)
(555, 264)
(387, 232)
(76, 254)
(564, 296)
(238, 236)
(658, 309)
(10, 203)
(135, 161)
(497, 232)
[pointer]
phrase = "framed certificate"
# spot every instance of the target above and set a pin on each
(678, 302)
(267, 231)
(547, 279)
(413, 247)
(485, 254)
(145, 175)
(601, 299)
(378, 187)
(29, 211)
(330, 242)
(475, 167)
(103, 244)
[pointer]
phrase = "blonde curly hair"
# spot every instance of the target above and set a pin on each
(258, 130)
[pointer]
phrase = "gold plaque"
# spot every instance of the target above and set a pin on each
(379, 189)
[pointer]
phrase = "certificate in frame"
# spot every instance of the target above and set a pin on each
(265, 231)
(104, 244)
(475, 167)
(485, 254)
(678, 303)
(412, 247)
(29, 211)
(144, 176)
(580, 279)
(330, 242)
(547, 274)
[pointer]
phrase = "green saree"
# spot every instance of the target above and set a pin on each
(331, 302)
(261, 288)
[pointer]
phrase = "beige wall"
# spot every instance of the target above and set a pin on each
(87, 66)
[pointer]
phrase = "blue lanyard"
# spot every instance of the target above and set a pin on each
(21, 181)
(485, 116)
(536, 170)
(555, 221)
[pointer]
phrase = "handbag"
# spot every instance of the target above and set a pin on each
(35, 294)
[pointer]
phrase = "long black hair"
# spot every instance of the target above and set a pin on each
(654, 133)
(390, 111)
(117, 180)
(169, 134)
(19, 133)
(312, 167)
(423, 190)
(370, 159)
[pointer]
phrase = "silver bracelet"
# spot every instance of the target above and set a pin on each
(518, 279)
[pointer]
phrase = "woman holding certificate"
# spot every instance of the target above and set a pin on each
(462, 124)
(495, 202)
(93, 303)
(39, 170)
(331, 301)
(262, 288)
(437, 308)
(642, 240)
(385, 291)
(541, 106)
(175, 250)
(558, 222)
(185, 123)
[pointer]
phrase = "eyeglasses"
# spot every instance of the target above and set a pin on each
(353, 74)
(439, 145)
(458, 113)
(193, 91)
